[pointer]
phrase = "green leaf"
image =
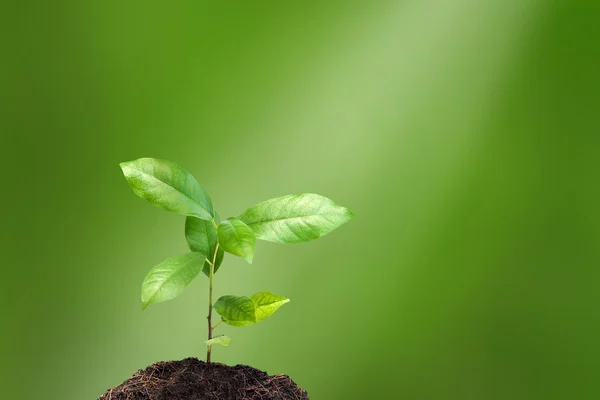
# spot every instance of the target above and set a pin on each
(201, 237)
(267, 303)
(237, 238)
(168, 186)
(295, 218)
(236, 310)
(223, 340)
(242, 310)
(168, 279)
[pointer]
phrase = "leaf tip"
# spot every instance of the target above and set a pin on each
(351, 214)
(144, 305)
(124, 164)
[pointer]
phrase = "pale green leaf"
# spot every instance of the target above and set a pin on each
(242, 310)
(295, 218)
(237, 238)
(236, 310)
(168, 186)
(168, 279)
(267, 303)
(201, 236)
(223, 340)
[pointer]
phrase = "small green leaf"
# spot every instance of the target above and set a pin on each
(168, 279)
(267, 303)
(295, 218)
(236, 310)
(201, 237)
(237, 238)
(168, 186)
(243, 311)
(223, 340)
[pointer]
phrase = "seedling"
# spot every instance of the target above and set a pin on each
(287, 219)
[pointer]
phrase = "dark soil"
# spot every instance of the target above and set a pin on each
(192, 379)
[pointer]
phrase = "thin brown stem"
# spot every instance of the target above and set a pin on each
(210, 302)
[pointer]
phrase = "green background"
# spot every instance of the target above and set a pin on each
(464, 134)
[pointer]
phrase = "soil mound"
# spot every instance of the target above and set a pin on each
(192, 379)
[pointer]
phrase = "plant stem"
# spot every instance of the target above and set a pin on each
(210, 302)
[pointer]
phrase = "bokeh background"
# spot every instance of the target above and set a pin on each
(464, 134)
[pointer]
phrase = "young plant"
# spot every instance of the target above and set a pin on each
(287, 219)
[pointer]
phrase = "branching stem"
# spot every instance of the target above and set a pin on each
(210, 302)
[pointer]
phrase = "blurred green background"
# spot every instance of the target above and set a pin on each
(464, 134)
